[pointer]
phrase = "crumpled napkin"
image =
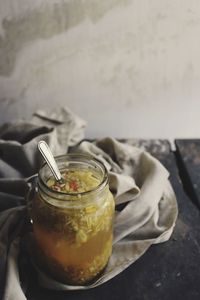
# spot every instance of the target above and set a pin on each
(136, 178)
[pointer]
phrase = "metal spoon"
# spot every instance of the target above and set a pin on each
(48, 156)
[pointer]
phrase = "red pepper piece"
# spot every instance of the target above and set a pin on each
(73, 185)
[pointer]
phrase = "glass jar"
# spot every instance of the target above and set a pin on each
(73, 231)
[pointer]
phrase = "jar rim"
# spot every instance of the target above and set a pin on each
(99, 187)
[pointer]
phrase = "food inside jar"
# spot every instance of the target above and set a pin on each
(74, 181)
(74, 243)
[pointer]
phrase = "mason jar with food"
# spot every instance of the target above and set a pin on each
(72, 219)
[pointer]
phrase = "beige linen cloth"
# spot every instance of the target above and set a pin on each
(136, 178)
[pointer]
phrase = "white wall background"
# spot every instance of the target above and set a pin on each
(129, 68)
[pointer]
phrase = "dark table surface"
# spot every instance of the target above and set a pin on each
(166, 271)
(188, 153)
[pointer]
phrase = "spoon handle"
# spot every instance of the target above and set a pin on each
(48, 156)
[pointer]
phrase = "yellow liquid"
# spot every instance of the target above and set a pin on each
(72, 263)
(73, 245)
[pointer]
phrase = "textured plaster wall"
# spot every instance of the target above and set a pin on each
(130, 68)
